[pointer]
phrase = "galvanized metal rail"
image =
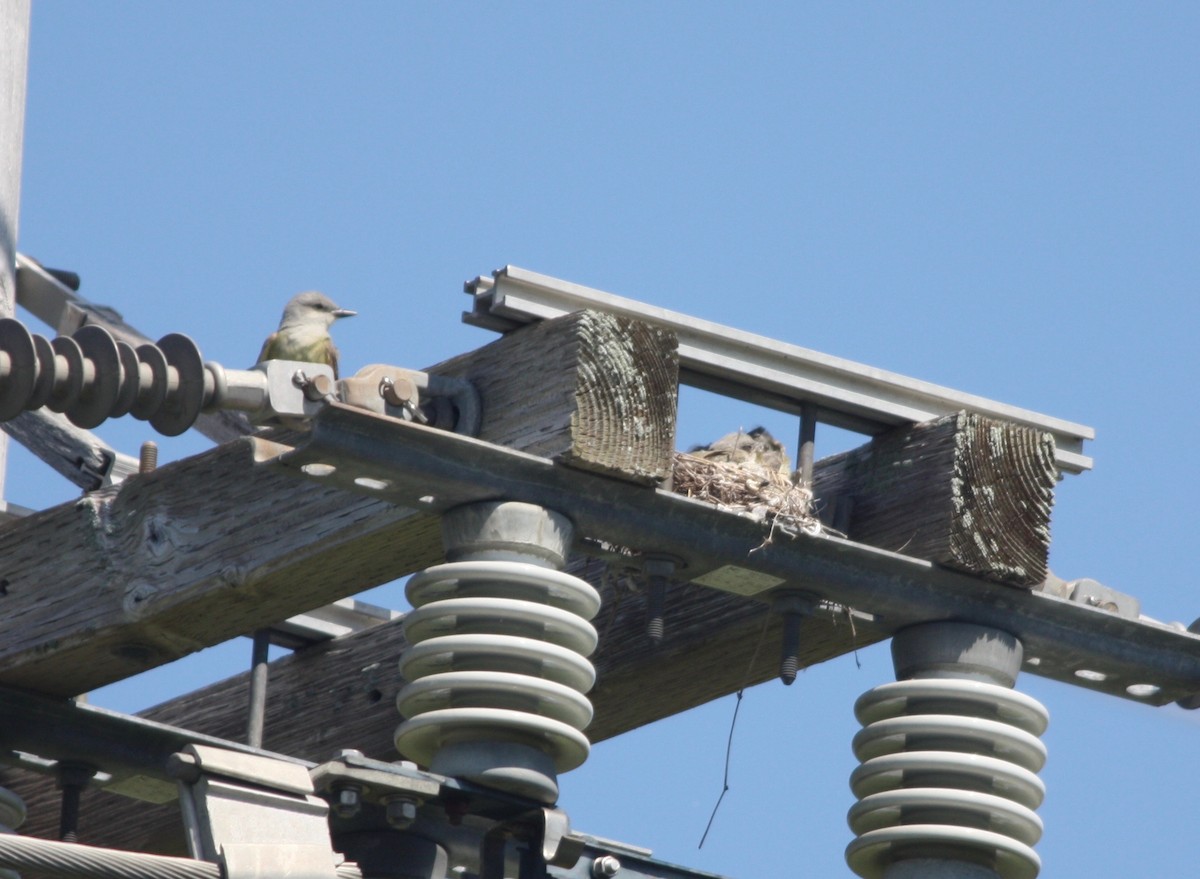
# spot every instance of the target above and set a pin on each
(420, 468)
(761, 370)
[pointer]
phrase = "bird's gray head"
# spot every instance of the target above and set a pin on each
(756, 446)
(312, 307)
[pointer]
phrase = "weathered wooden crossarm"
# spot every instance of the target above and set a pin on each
(213, 546)
(341, 693)
(76, 454)
(206, 548)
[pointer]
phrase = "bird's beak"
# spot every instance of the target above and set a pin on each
(343, 312)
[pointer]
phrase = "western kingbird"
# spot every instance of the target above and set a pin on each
(303, 332)
(756, 447)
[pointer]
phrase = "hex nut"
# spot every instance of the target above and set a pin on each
(347, 801)
(400, 812)
(605, 866)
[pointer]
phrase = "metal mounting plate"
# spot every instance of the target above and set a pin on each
(426, 469)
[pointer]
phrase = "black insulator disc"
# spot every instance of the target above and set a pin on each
(152, 382)
(68, 381)
(99, 395)
(185, 396)
(44, 386)
(20, 371)
(129, 380)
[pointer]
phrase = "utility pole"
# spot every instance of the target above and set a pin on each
(14, 59)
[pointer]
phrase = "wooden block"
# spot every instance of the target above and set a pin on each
(965, 491)
(595, 391)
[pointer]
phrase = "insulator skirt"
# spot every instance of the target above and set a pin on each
(948, 771)
(499, 653)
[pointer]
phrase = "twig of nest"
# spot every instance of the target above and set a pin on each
(750, 489)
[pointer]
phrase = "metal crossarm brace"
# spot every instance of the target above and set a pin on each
(761, 370)
(429, 470)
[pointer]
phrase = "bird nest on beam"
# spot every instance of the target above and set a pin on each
(749, 489)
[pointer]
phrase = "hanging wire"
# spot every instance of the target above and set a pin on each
(733, 725)
(725, 782)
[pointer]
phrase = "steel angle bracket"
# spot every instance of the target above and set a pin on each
(254, 815)
(429, 470)
(765, 371)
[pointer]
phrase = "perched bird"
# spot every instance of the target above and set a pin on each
(303, 332)
(756, 446)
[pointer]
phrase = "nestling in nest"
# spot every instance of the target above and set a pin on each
(763, 493)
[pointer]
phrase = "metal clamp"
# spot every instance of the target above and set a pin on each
(255, 816)
(549, 842)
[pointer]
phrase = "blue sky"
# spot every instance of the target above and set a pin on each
(1001, 198)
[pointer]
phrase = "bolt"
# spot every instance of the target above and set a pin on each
(788, 668)
(347, 800)
(397, 391)
(148, 457)
(605, 867)
(654, 627)
(792, 608)
(400, 812)
(657, 570)
(316, 388)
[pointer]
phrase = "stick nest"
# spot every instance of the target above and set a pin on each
(748, 489)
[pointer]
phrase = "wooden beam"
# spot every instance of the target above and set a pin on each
(716, 643)
(196, 569)
(965, 491)
(341, 693)
(76, 454)
(204, 549)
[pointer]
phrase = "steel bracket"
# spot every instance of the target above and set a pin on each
(255, 816)
(1096, 594)
(549, 842)
(432, 471)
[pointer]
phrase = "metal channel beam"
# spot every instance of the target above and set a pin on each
(421, 468)
(761, 370)
(630, 862)
(132, 751)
